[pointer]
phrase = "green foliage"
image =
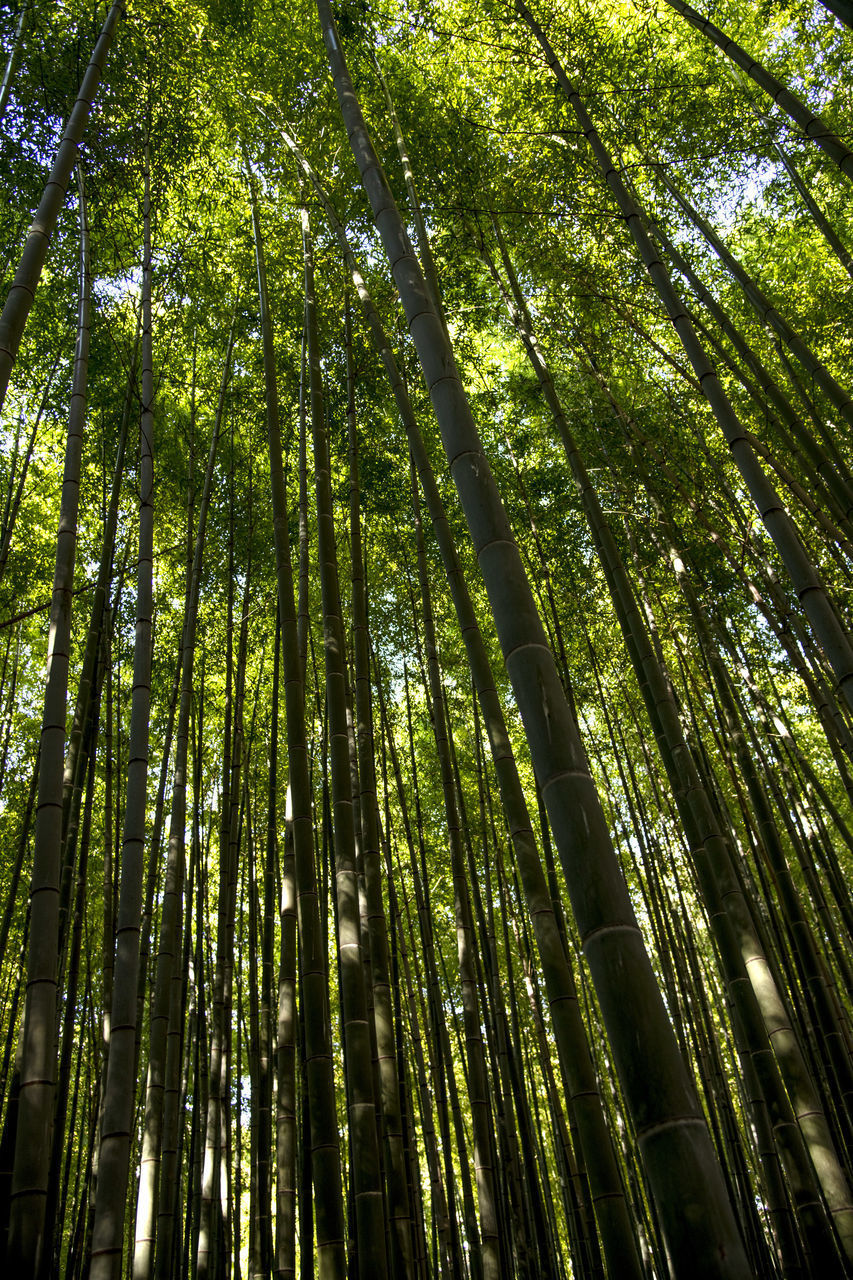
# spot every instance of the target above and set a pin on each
(204, 90)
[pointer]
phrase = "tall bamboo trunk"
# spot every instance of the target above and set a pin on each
(168, 1191)
(214, 1186)
(616, 1229)
(697, 1219)
(325, 1149)
(478, 1090)
(38, 1058)
(364, 1154)
(740, 946)
(812, 126)
(119, 1087)
(397, 1193)
(284, 1264)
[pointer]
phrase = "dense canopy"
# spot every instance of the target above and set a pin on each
(426, 556)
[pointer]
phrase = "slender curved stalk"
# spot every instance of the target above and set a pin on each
(830, 468)
(817, 215)
(482, 1117)
(11, 516)
(20, 297)
(840, 396)
(14, 57)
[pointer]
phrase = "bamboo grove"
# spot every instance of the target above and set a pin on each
(426, 555)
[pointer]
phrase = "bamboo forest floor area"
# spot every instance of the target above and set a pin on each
(426, 639)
